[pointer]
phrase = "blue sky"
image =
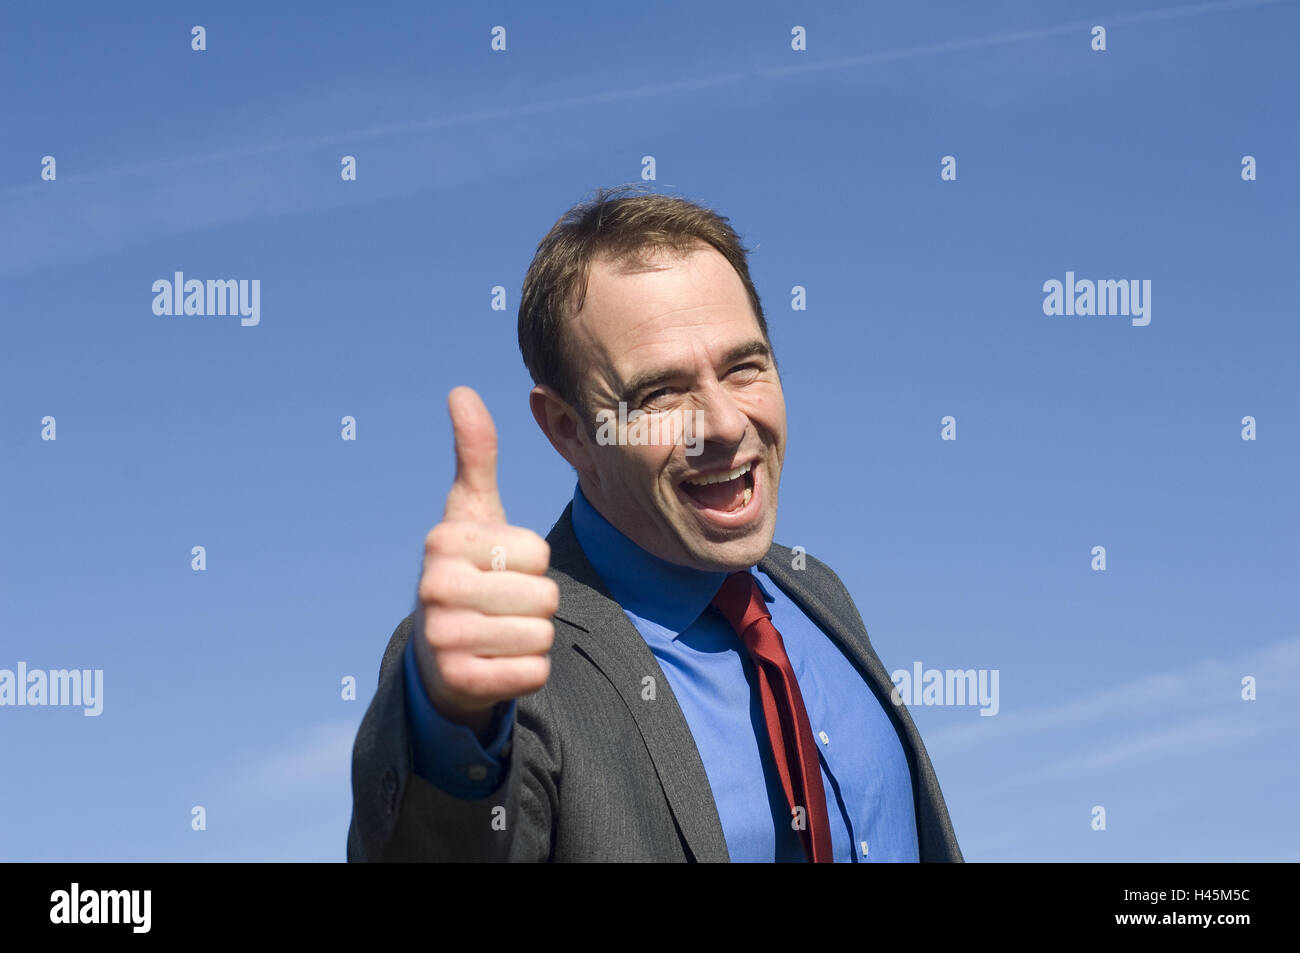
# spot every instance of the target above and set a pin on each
(222, 688)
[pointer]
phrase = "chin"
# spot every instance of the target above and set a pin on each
(733, 555)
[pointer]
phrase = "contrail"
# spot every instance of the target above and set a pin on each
(1020, 36)
(659, 89)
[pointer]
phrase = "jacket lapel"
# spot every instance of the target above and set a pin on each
(851, 638)
(603, 633)
(846, 629)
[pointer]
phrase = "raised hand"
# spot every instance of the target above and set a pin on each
(485, 598)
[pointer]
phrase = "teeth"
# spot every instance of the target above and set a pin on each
(722, 477)
(748, 494)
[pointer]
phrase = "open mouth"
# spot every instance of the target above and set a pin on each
(726, 492)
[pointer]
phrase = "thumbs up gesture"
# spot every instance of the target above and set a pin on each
(486, 600)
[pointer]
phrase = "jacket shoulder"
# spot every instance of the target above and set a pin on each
(796, 565)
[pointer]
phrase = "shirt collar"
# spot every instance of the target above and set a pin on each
(665, 593)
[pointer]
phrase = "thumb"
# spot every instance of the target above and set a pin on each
(474, 493)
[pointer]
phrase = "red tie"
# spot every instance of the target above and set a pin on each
(741, 602)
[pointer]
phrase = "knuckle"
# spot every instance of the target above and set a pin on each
(425, 591)
(434, 569)
(431, 587)
(444, 583)
(546, 634)
(443, 630)
(532, 635)
(448, 669)
(550, 596)
(539, 670)
(537, 547)
(442, 539)
(471, 533)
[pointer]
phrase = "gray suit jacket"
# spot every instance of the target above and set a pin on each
(595, 772)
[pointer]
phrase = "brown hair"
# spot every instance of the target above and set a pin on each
(624, 223)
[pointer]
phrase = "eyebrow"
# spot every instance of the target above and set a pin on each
(651, 379)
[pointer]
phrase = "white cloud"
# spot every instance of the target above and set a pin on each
(1211, 684)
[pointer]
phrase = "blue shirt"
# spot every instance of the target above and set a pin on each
(864, 768)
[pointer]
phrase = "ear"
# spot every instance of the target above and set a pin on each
(563, 425)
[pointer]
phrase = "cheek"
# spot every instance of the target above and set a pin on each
(767, 411)
(642, 467)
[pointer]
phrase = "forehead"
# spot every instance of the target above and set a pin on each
(669, 301)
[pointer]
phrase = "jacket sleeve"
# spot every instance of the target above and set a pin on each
(399, 816)
(447, 755)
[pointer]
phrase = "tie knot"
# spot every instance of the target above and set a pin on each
(741, 602)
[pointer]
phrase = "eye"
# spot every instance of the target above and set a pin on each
(655, 395)
(750, 370)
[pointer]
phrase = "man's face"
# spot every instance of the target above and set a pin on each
(681, 344)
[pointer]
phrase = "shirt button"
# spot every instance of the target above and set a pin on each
(864, 848)
(824, 737)
(477, 772)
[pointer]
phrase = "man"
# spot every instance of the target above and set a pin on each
(657, 680)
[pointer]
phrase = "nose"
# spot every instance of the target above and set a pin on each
(718, 419)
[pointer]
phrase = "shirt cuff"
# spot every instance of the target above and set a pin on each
(448, 755)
